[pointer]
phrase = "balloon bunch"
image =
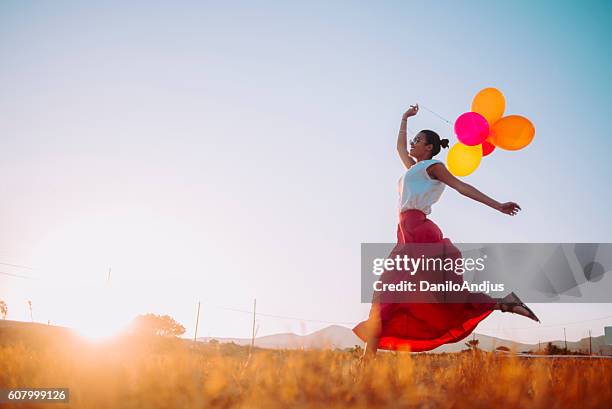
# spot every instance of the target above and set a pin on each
(483, 129)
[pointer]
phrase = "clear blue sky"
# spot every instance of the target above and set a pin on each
(223, 152)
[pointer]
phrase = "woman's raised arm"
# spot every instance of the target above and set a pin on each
(440, 172)
(402, 137)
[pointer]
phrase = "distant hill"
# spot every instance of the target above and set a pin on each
(336, 336)
(35, 334)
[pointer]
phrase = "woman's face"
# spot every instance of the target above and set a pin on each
(419, 148)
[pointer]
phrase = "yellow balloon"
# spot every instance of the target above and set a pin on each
(512, 132)
(463, 159)
(490, 103)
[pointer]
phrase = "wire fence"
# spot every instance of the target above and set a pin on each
(312, 320)
(542, 356)
(320, 321)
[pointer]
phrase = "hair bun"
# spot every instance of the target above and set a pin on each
(444, 143)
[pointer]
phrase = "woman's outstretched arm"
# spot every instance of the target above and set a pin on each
(439, 171)
(402, 142)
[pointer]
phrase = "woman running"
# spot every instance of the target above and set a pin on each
(425, 326)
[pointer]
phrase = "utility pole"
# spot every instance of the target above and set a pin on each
(565, 337)
(590, 345)
(31, 313)
(195, 335)
(108, 277)
(254, 312)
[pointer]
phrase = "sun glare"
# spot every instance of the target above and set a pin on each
(104, 315)
(97, 331)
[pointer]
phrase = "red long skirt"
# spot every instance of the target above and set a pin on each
(425, 326)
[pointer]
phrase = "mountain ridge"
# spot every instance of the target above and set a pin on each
(337, 336)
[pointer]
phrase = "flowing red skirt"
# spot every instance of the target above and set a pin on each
(425, 326)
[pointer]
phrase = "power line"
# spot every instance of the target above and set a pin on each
(33, 269)
(344, 322)
(284, 316)
(354, 322)
(549, 326)
(18, 275)
(16, 265)
(277, 316)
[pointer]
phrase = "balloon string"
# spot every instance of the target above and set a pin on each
(436, 114)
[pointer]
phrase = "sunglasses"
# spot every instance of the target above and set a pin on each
(415, 140)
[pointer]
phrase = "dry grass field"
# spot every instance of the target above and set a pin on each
(150, 373)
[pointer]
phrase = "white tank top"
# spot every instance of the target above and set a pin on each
(417, 190)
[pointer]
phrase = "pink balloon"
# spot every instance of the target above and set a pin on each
(471, 128)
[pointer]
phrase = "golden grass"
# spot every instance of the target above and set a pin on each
(171, 373)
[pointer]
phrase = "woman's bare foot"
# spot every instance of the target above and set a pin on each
(366, 359)
(512, 303)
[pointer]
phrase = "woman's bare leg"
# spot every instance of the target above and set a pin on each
(373, 329)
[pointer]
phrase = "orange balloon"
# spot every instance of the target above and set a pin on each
(490, 103)
(512, 132)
